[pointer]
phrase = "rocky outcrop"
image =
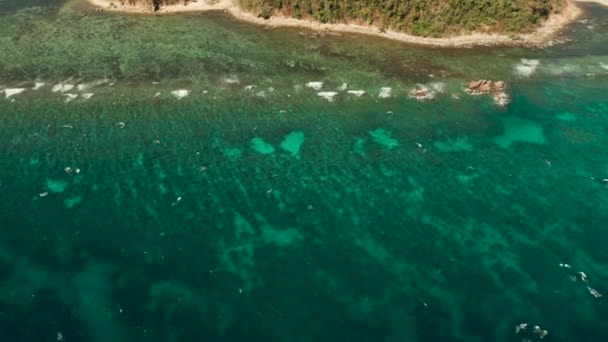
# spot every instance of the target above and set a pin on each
(481, 87)
(498, 90)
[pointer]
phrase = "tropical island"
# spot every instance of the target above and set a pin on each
(432, 22)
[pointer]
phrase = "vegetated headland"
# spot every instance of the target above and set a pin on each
(427, 22)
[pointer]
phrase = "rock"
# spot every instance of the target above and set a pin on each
(483, 87)
(499, 86)
(421, 93)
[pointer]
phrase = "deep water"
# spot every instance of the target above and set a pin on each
(254, 209)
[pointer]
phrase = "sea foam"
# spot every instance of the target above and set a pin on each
(9, 92)
(328, 95)
(314, 85)
(526, 67)
(180, 94)
(385, 92)
(62, 87)
(357, 93)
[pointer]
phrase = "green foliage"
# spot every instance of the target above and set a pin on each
(419, 17)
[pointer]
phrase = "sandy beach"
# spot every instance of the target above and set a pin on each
(540, 37)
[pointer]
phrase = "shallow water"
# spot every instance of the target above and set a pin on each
(268, 213)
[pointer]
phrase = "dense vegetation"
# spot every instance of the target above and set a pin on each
(419, 17)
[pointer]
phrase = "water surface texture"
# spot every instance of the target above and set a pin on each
(175, 179)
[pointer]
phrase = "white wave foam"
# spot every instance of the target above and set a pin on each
(89, 85)
(180, 94)
(385, 92)
(501, 99)
(70, 97)
(421, 92)
(604, 65)
(343, 87)
(328, 95)
(87, 96)
(526, 67)
(315, 85)
(62, 87)
(231, 80)
(439, 87)
(9, 92)
(38, 85)
(568, 69)
(357, 93)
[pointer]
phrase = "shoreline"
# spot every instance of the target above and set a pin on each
(542, 36)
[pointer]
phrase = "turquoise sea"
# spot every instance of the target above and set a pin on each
(254, 209)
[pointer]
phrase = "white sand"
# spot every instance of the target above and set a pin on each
(541, 36)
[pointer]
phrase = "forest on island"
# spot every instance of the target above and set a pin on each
(428, 18)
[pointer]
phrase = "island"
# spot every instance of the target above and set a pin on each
(432, 22)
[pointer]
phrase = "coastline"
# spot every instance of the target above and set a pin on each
(542, 36)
